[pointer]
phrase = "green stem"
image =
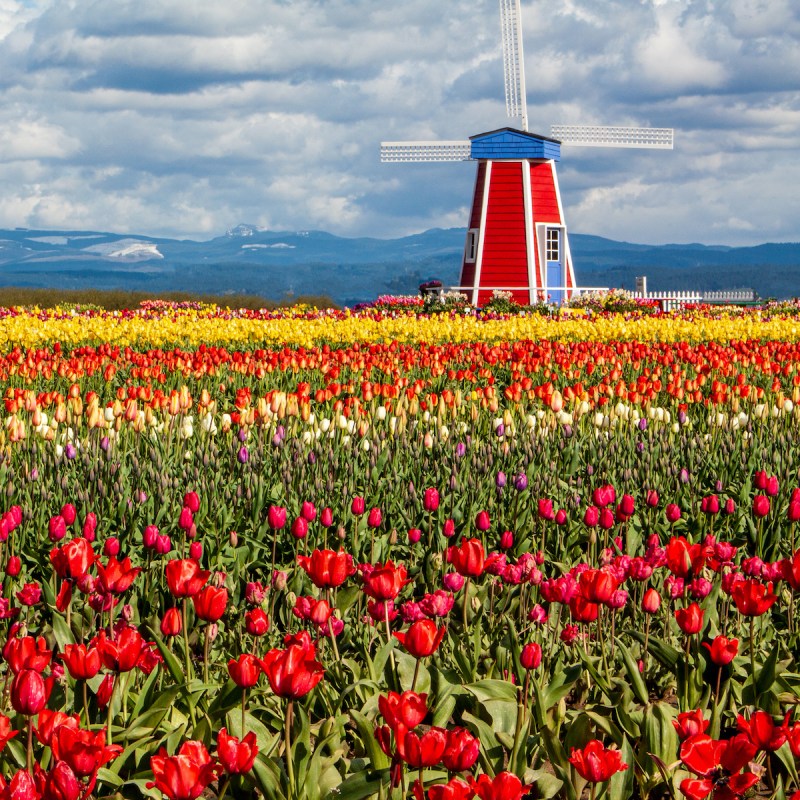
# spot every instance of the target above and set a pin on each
(288, 747)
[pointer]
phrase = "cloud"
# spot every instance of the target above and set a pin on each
(185, 118)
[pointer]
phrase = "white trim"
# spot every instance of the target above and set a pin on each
(565, 243)
(530, 251)
(482, 235)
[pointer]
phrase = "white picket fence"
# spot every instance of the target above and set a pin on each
(672, 301)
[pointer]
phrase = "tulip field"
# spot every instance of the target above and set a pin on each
(387, 554)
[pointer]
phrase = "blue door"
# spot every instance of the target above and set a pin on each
(555, 265)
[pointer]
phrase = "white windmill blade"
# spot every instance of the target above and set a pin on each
(513, 60)
(426, 151)
(601, 136)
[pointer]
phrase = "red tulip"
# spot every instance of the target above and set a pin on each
(651, 601)
(300, 528)
(583, 610)
(171, 622)
(293, 672)
(234, 755)
(461, 750)
(116, 577)
(308, 511)
(73, 560)
(718, 763)
(761, 505)
(722, 650)
(82, 662)
(245, 671)
(467, 558)
(85, 751)
(6, 732)
(326, 568)
(482, 521)
(375, 518)
(420, 751)
(123, 653)
(430, 500)
(385, 582)
(597, 585)
(186, 775)
(596, 763)
(25, 652)
(710, 504)
(184, 577)
(763, 731)
(60, 783)
(20, 787)
(752, 598)
(192, 501)
(357, 506)
(422, 638)
(531, 655)
(276, 517)
(454, 789)
(30, 692)
(672, 512)
(690, 723)
(30, 594)
(210, 603)
(690, 619)
(326, 517)
(256, 622)
(545, 510)
(504, 786)
(591, 517)
(56, 528)
(408, 708)
(604, 495)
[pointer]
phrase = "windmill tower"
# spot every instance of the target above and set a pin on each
(516, 236)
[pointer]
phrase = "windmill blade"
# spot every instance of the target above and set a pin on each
(426, 151)
(513, 60)
(600, 136)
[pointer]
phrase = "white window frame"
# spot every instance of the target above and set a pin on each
(471, 246)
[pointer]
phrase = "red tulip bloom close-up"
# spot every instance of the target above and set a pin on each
(326, 568)
(753, 598)
(690, 619)
(422, 638)
(210, 603)
(293, 672)
(385, 581)
(407, 709)
(595, 762)
(467, 558)
(245, 670)
(184, 577)
(185, 775)
(722, 650)
(718, 763)
(236, 756)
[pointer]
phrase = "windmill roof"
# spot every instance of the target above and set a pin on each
(526, 134)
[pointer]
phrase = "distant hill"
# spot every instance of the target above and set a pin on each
(291, 263)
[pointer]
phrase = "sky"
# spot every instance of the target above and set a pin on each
(183, 118)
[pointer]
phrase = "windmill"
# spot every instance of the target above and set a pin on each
(516, 236)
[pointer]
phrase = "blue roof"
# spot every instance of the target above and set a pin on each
(508, 143)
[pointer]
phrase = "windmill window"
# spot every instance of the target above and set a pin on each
(471, 250)
(553, 244)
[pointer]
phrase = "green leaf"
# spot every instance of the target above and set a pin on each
(634, 676)
(621, 783)
(62, 632)
(366, 731)
(492, 689)
(664, 653)
(361, 785)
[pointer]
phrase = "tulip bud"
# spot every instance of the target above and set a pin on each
(506, 540)
(651, 601)
(57, 528)
(531, 656)
(326, 517)
(68, 513)
(233, 538)
(414, 535)
(111, 546)
(482, 521)
(14, 566)
(171, 622)
(195, 551)
(279, 580)
(300, 528)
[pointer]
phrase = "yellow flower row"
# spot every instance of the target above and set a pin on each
(190, 328)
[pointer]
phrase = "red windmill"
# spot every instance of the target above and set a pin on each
(516, 236)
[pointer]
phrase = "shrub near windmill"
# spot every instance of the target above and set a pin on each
(516, 236)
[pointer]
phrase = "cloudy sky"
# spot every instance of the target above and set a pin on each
(183, 118)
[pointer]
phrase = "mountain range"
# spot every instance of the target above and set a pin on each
(282, 264)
